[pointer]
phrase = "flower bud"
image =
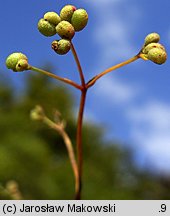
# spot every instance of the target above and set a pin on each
(157, 55)
(52, 17)
(17, 62)
(65, 30)
(79, 19)
(61, 47)
(67, 12)
(12, 188)
(37, 113)
(150, 46)
(152, 37)
(46, 28)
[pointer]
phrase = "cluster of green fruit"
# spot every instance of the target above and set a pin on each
(154, 51)
(69, 21)
(18, 62)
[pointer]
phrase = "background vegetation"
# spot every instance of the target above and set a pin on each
(35, 156)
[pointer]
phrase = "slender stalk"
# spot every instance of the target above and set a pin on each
(94, 79)
(69, 147)
(65, 80)
(80, 122)
(79, 140)
(78, 64)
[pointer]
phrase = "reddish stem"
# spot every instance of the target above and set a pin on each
(79, 141)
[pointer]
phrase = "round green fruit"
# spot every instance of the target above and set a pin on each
(157, 55)
(13, 60)
(152, 38)
(66, 12)
(61, 47)
(46, 28)
(151, 46)
(65, 30)
(79, 19)
(52, 17)
(22, 65)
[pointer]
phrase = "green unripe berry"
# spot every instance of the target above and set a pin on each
(157, 55)
(52, 17)
(61, 47)
(22, 65)
(67, 12)
(152, 37)
(151, 46)
(65, 30)
(15, 58)
(79, 19)
(46, 28)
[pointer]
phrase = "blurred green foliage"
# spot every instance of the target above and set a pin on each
(36, 158)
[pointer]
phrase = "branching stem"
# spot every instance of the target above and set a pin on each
(69, 147)
(94, 79)
(78, 64)
(80, 121)
(65, 80)
(77, 165)
(84, 89)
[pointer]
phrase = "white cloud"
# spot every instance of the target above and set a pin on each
(154, 113)
(113, 40)
(114, 91)
(150, 130)
(114, 29)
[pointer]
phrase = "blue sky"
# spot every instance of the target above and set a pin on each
(133, 103)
